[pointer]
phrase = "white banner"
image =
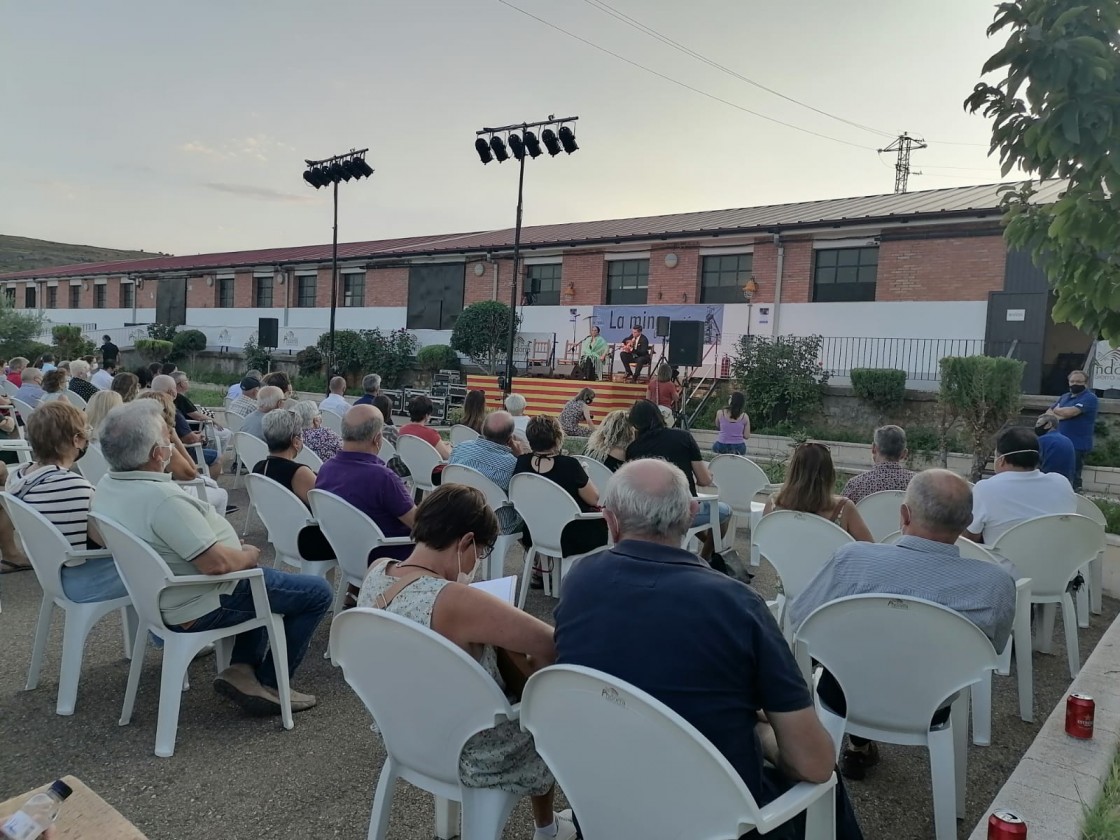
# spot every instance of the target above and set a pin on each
(1106, 367)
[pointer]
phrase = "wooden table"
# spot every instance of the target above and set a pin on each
(84, 815)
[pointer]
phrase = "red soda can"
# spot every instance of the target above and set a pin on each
(1080, 710)
(1004, 825)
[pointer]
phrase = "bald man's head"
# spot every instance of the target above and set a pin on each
(648, 500)
(937, 506)
(361, 428)
(498, 427)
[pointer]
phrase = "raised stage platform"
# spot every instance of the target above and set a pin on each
(548, 396)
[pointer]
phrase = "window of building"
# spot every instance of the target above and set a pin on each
(99, 296)
(305, 289)
(52, 297)
(844, 274)
(542, 283)
(225, 292)
(128, 295)
(29, 297)
(627, 281)
(354, 289)
(723, 277)
(10, 295)
(264, 292)
(75, 297)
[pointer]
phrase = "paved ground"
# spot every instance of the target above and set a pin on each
(243, 778)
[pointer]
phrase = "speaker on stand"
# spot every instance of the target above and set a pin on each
(268, 336)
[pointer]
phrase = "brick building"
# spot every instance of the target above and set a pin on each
(877, 276)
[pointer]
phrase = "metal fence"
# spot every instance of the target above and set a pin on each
(919, 357)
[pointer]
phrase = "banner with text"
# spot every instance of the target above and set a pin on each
(615, 322)
(1106, 367)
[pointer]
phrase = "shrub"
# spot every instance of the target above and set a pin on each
(19, 329)
(163, 332)
(69, 343)
(187, 344)
(256, 358)
(1111, 511)
(357, 352)
(437, 357)
(482, 333)
(981, 393)
(153, 349)
(310, 361)
(882, 388)
(782, 378)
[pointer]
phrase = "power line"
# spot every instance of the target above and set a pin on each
(679, 83)
(607, 9)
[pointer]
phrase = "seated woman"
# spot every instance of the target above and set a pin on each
(99, 405)
(808, 487)
(183, 467)
(608, 442)
(455, 531)
(575, 416)
(55, 383)
(127, 385)
(661, 390)
(545, 439)
(596, 349)
(474, 410)
(734, 427)
(283, 433)
(59, 436)
(319, 439)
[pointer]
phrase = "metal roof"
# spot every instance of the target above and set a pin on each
(837, 212)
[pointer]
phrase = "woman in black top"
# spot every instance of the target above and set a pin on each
(545, 438)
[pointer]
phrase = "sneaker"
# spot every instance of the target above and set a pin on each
(240, 684)
(854, 762)
(565, 828)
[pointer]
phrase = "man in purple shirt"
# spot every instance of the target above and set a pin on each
(357, 475)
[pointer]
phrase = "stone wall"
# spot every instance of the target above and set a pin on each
(844, 409)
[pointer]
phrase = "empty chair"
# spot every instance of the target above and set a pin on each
(496, 498)
(387, 452)
(284, 516)
(607, 741)
(146, 576)
(881, 512)
(332, 421)
(739, 480)
(308, 457)
(250, 451)
(48, 550)
(461, 434)
(1089, 596)
(898, 660)
(22, 408)
(75, 399)
(421, 458)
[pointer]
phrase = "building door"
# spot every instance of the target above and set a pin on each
(1017, 328)
(435, 296)
(171, 301)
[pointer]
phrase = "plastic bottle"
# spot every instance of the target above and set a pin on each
(37, 814)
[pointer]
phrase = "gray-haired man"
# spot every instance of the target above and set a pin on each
(371, 385)
(888, 449)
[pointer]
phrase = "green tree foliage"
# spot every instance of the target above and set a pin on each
(882, 388)
(153, 349)
(358, 352)
(187, 344)
(163, 332)
(256, 358)
(782, 378)
(482, 333)
(310, 361)
(19, 328)
(1056, 113)
(69, 343)
(980, 393)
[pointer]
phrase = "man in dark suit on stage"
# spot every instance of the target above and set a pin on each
(635, 350)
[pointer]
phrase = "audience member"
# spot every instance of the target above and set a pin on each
(165, 384)
(269, 398)
(144, 376)
(810, 478)
(494, 454)
(235, 390)
(281, 380)
(734, 427)
(455, 532)
(924, 563)
(193, 539)
(98, 407)
(79, 380)
(182, 466)
(185, 405)
(316, 437)
(607, 444)
(31, 391)
(661, 390)
(1056, 450)
(1077, 411)
(12, 558)
(102, 378)
(575, 416)
(474, 410)
(888, 448)
(167, 369)
(335, 401)
(705, 645)
(515, 405)
(54, 385)
(16, 367)
(419, 414)
(110, 353)
(371, 387)
(47, 364)
(127, 385)
(246, 401)
(1018, 491)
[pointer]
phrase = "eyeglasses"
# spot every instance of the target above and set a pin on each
(482, 552)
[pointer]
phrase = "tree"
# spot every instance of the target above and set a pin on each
(153, 349)
(187, 343)
(482, 333)
(1056, 113)
(981, 393)
(18, 328)
(782, 378)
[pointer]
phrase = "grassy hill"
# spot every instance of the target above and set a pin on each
(18, 253)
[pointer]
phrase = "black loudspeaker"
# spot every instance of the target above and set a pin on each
(686, 343)
(268, 332)
(662, 326)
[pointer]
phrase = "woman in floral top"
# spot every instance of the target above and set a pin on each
(323, 442)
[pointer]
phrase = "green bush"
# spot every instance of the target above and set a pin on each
(310, 361)
(30, 350)
(882, 388)
(1106, 453)
(163, 332)
(256, 358)
(19, 330)
(357, 352)
(782, 378)
(69, 343)
(210, 375)
(153, 349)
(482, 333)
(981, 393)
(436, 357)
(187, 344)
(1111, 511)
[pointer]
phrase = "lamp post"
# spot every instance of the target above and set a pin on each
(320, 173)
(522, 141)
(750, 289)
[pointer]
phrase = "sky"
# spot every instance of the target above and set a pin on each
(183, 127)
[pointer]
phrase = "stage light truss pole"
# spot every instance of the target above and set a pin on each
(563, 138)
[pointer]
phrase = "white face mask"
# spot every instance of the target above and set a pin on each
(465, 578)
(165, 462)
(1018, 452)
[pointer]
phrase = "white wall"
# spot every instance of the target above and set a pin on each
(895, 319)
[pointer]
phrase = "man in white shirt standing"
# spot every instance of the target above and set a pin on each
(1019, 490)
(335, 401)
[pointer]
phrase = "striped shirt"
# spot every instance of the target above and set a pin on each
(242, 406)
(982, 592)
(497, 463)
(62, 496)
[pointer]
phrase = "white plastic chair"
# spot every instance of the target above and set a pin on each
(598, 733)
(405, 673)
(48, 550)
(233, 422)
(332, 421)
(7, 388)
(309, 458)
(546, 508)
(145, 576)
(597, 471)
(22, 408)
(93, 466)
(19, 446)
(387, 452)
(739, 480)
(898, 660)
(75, 399)
(881, 512)
(461, 434)
(797, 545)
(1089, 595)
(496, 498)
(421, 458)
(250, 451)
(1050, 550)
(284, 516)
(352, 535)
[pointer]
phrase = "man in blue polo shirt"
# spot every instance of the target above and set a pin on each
(704, 644)
(1077, 410)
(1058, 454)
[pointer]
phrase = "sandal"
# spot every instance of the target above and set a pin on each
(7, 567)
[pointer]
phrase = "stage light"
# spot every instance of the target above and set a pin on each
(568, 139)
(334, 172)
(351, 169)
(344, 172)
(548, 137)
(311, 176)
(483, 149)
(363, 169)
(532, 144)
(499, 149)
(517, 146)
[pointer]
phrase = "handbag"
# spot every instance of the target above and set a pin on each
(731, 564)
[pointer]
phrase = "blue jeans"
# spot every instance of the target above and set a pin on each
(94, 580)
(303, 600)
(704, 514)
(729, 448)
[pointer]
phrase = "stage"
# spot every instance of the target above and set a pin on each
(548, 396)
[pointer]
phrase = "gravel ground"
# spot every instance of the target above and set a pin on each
(243, 778)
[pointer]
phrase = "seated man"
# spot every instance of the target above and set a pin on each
(186, 406)
(888, 448)
(1018, 491)
(705, 645)
(357, 475)
(269, 398)
(245, 402)
(371, 387)
(165, 384)
(1058, 454)
(335, 401)
(494, 454)
(924, 563)
(194, 539)
(636, 351)
(31, 391)
(102, 378)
